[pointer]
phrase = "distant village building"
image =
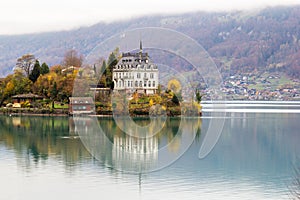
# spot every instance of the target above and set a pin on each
(135, 72)
(81, 105)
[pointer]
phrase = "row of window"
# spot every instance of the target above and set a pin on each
(135, 66)
(136, 60)
(128, 75)
(79, 107)
(129, 84)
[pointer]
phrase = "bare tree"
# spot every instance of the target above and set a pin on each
(26, 63)
(72, 58)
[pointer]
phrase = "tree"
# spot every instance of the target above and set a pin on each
(44, 69)
(54, 91)
(72, 58)
(198, 96)
(26, 63)
(112, 61)
(175, 99)
(135, 96)
(174, 85)
(36, 71)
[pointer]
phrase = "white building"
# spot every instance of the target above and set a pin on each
(135, 72)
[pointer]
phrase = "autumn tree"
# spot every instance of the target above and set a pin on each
(174, 85)
(26, 63)
(16, 83)
(56, 69)
(73, 58)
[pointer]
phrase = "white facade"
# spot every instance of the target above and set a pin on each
(135, 72)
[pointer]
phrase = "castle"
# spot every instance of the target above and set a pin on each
(135, 72)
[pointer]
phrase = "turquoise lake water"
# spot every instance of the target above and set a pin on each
(256, 156)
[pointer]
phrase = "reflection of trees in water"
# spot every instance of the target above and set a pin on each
(37, 138)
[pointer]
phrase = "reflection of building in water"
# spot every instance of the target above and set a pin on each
(133, 153)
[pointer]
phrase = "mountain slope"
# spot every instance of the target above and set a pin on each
(268, 39)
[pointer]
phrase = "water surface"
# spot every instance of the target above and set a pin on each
(254, 158)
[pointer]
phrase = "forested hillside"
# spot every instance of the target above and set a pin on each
(264, 40)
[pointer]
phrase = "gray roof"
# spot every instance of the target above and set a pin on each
(27, 96)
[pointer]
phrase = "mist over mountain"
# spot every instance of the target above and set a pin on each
(264, 40)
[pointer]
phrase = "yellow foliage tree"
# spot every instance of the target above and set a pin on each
(174, 85)
(135, 97)
(9, 88)
(151, 102)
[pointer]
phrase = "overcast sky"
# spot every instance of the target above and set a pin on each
(29, 16)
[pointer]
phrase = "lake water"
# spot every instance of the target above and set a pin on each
(256, 156)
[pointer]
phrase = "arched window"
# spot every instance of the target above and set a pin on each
(149, 83)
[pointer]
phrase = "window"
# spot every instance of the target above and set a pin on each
(149, 84)
(141, 84)
(128, 83)
(145, 75)
(153, 84)
(151, 75)
(138, 75)
(145, 83)
(136, 84)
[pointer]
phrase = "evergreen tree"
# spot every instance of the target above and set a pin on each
(112, 61)
(44, 69)
(198, 96)
(175, 99)
(54, 91)
(36, 71)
